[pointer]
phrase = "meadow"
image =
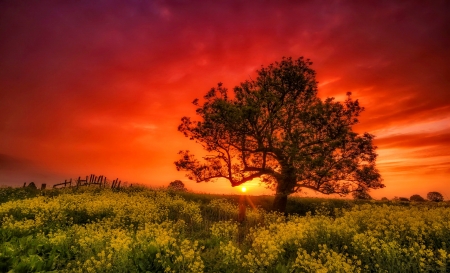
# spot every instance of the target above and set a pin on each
(154, 230)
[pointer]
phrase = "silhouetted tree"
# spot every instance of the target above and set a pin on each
(177, 185)
(361, 195)
(275, 128)
(384, 199)
(416, 198)
(435, 196)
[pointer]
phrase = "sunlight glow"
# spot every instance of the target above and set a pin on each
(244, 189)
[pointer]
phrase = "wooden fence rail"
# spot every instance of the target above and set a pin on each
(90, 180)
(65, 183)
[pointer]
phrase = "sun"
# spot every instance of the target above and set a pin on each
(243, 189)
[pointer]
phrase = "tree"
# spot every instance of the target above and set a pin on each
(400, 199)
(416, 198)
(177, 185)
(435, 196)
(276, 129)
(361, 195)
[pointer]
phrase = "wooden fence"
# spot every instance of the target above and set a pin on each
(89, 181)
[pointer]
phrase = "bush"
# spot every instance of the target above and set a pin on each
(435, 196)
(416, 198)
(177, 185)
(32, 186)
(361, 195)
(401, 199)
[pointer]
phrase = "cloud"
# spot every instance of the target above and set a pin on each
(15, 171)
(439, 139)
(103, 84)
(11, 163)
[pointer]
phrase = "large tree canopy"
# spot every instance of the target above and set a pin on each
(275, 128)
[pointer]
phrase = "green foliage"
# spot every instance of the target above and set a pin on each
(11, 194)
(147, 230)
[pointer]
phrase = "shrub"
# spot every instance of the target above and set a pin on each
(416, 198)
(361, 195)
(435, 196)
(401, 199)
(32, 186)
(177, 185)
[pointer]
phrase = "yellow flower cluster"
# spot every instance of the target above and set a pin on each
(326, 260)
(157, 231)
(188, 211)
(271, 241)
(172, 253)
(224, 230)
(223, 209)
(230, 254)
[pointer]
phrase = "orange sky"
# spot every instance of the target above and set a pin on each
(100, 86)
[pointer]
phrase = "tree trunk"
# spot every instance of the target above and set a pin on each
(285, 183)
(279, 203)
(242, 208)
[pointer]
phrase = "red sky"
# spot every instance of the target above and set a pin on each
(100, 86)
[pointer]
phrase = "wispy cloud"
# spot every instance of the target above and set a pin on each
(103, 85)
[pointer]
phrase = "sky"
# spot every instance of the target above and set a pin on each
(99, 87)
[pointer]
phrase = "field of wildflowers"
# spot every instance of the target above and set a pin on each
(145, 230)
